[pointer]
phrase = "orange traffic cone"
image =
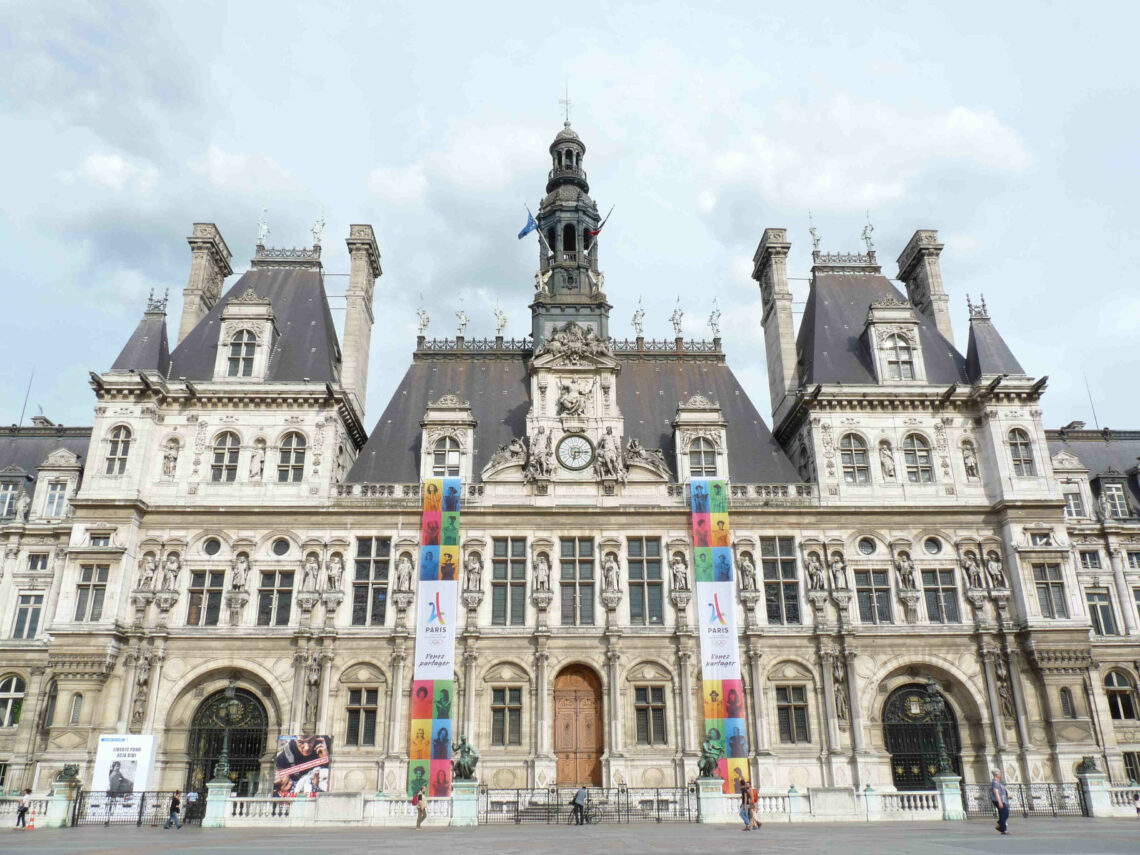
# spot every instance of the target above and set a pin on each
(31, 820)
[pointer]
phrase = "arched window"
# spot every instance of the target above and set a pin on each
(919, 463)
(1068, 708)
(1021, 452)
(76, 709)
(117, 453)
(49, 708)
(224, 468)
(11, 700)
(1121, 695)
(445, 457)
(702, 458)
(569, 238)
(291, 466)
(242, 347)
(853, 455)
(898, 358)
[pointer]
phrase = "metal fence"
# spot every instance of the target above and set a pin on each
(1026, 800)
(552, 805)
(147, 808)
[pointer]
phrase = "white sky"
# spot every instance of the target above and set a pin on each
(1009, 127)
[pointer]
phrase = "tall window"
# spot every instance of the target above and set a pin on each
(1132, 766)
(853, 456)
(275, 598)
(781, 586)
(224, 468)
(941, 596)
(76, 709)
(702, 458)
(37, 562)
(506, 716)
(1134, 560)
(1050, 590)
(649, 710)
(242, 347)
(363, 705)
(90, 591)
(508, 581)
(1100, 612)
(1117, 506)
(445, 458)
(370, 581)
(919, 463)
(1021, 453)
(645, 592)
(1074, 507)
(56, 505)
(577, 581)
(792, 713)
(11, 700)
(47, 717)
(1090, 560)
(28, 608)
(1068, 708)
(873, 590)
(118, 450)
(205, 601)
(899, 358)
(291, 465)
(1121, 695)
(8, 493)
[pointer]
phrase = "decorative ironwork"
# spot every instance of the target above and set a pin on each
(140, 809)
(1026, 800)
(232, 730)
(551, 805)
(921, 734)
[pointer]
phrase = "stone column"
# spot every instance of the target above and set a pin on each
(759, 731)
(613, 657)
(157, 660)
(855, 712)
(296, 707)
(131, 662)
(826, 658)
(323, 702)
(542, 724)
(1018, 700)
(470, 660)
(987, 655)
(1123, 592)
(396, 702)
(684, 657)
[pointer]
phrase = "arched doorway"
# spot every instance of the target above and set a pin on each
(910, 731)
(249, 730)
(578, 739)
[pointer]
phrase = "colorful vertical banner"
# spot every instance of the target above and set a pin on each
(722, 693)
(433, 676)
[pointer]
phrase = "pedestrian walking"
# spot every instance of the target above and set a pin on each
(420, 801)
(753, 809)
(745, 803)
(1135, 804)
(578, 807)
(175, 808)
(22, 808)
(1000, 798)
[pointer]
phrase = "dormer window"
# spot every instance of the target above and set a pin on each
(445, 458)
(291, 465)
(898, 358)
(702, 458)
(8, 493)
(1112, 496)
(919, 463)
(1021, 453)
(853, 455)
(224, 468)
(243, 346)
(56, 500)
(119, 448)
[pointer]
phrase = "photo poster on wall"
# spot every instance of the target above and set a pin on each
(124, 764)
(433, 676)
(302, 766)
(722, 693)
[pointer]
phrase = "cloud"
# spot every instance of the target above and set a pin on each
(400, 187)
(114, 172)
(249, 174)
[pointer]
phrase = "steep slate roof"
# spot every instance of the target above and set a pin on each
(1101, 451)
(499, 394)
(987, 352)
(831, 347)
(147, 349)
(26, 448)
(307, 345)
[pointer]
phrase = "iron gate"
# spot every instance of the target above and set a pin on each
(1026, 800)
(551, 805)
(147, 808)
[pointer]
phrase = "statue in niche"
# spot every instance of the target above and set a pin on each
(905, 569)
(334, 572)
(1104, 506)
(610, 571)
(542, 572)
(972, 570)
(839, 677)
(838, 569)
(572, 396)
(241, 572)
(170, 570)
(404, 572)
(1001, 672)
(542, 456)
(22, 505)
(887, 460)
(170, 458)
(473, 572)
(609, 463)
(148, 570)
(680, 572)
(257, 461)
(312, 690)
(994, 570)
(747, 572)
(312, 571)
(816, 578)
(970, 460)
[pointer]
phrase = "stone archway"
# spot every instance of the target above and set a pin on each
(911, 737)
(578, 732)
(249, 730)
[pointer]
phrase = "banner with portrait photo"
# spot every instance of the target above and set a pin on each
(302, 766)
(123, 764)
(722, 692)
(433, 672)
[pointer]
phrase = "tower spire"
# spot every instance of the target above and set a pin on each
(565, 102)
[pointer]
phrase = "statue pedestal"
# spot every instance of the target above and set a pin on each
(1098, 800)
(949, 788)
(59, 805)
(217, 803)
(713, 806)
(464, 804)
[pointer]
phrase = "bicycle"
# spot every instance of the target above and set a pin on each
(589, 815)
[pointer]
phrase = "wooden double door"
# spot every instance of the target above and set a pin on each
(578, 738)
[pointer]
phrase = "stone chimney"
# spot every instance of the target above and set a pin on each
(364, 270)
(919, 271)
(770, 270)
(209, 266)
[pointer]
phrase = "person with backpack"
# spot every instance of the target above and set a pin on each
(420, 802)
(22, 809)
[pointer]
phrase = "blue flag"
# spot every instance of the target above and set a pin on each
(530, 226)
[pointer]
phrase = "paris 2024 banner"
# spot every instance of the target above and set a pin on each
(433, 676)
(722, 692)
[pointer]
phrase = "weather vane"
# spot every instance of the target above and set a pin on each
(565, 102)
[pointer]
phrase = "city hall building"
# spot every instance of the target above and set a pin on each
(901, 515)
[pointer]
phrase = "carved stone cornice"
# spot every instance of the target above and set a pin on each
(1061, 660)
(88, 665)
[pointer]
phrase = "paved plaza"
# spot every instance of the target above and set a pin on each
(1027, 837)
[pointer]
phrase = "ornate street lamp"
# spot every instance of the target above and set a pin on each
(935, 708)
(229, 708)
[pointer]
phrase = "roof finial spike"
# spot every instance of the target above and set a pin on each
(639, 319)
(977, 310)
(867, 232)
(565, 102)
(677, 319)
(714, 320)
(319, 227)
(262, 227)
(814, 233)
(422, 315)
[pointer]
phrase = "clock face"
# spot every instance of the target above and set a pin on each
(575, 452)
